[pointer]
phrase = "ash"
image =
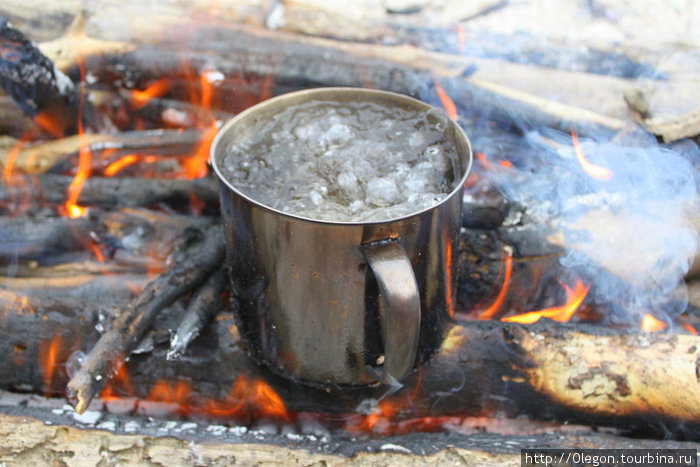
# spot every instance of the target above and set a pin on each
(346, 162)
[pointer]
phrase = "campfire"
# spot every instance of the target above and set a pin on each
(575, 310)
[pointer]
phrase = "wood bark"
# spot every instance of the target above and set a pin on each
(546, 371)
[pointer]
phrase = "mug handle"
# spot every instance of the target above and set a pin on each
(401, 321)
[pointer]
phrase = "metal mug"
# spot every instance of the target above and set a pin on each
(347, 303)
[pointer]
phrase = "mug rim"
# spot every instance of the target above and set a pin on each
(225, 129)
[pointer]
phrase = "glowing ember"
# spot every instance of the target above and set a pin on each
(447, 103)
(574, 298)
(139, 98)
(595, 171)
(506, 164)
(651, 324)
(48, 360)
(495, 307)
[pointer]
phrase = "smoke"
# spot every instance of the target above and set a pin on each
(630, 235)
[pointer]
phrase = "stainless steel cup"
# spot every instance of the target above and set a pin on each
(340, 302)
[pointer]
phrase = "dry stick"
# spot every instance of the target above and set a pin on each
(202, 308)
(129, 327)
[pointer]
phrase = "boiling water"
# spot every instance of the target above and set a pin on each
(346, 162)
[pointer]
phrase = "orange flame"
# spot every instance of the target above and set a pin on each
(652, 324)
(196, 165)
(120, 383)
(506, 164)
(139, 98)
(71, 208)
(494, 308)
(595, 171)
(574, 298)
(249, 397)
(484, 161)
(48, 360)
(379, 421)
(49, 124)
(689, 327)
(117, 166)
(448, 275)
(447, 103)
(461, 37)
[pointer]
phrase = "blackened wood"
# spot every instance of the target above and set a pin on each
(38, 87)
(129, 328)
(112, 192)
(546, 371)
(301, 62)
(203, 306)
(135, 238)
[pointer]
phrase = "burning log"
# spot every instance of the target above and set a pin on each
(130, 326)
(112, 193)
(297, 62)
(42, 157)
(135, 238)
(546, 371)
(41, 89)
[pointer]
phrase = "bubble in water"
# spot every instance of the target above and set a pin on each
(75, 362)
(349, 161)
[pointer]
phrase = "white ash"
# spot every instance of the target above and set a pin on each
(346, 162)
(89, 417)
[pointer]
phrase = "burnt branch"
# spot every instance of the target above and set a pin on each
(129, 327)
(203, 306)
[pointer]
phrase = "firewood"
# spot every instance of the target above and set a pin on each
(41, 89)
(305, 61)
(203, 306)
(41, 157)
(44, 240)
(112, 193)
(670, 110)
(12, 122)
(131, 324)
(548, 370)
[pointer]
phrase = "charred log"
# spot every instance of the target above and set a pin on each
(296, 62)
(41, 89)
(545, 371)
(111, 193)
